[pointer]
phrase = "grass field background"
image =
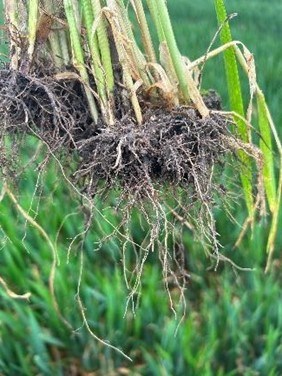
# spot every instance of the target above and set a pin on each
(233, 324)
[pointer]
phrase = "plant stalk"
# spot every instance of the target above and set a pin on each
(78, 55)
(33, 6)
(145, 32)
(176, 57)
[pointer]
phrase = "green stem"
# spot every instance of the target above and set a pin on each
(94, 49)
(32, 26)
(136, 60)
(64, 47)
(104, 46)
(123, 60)
(172, 46)
(78, 56)
(53, 37)
(154, 13)
(145, 32)
(11, 7)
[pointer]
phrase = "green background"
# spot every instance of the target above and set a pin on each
(233, 324)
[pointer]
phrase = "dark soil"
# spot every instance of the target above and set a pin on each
(172, 146)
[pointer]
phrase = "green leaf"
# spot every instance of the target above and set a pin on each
(267, 150)
(236, 101)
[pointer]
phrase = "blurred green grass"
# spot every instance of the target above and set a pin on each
(233, 324)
